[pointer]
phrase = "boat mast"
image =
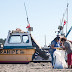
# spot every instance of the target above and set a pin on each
(26, 14)
(67, 18)
(29, 28)
(45, 40)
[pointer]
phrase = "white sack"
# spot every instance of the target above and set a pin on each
(59, 60)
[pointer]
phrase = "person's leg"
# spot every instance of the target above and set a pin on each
(71, 66)
(52, 58)
(69, 61)
(51, 53)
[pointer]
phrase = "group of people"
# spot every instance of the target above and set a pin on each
(64, 44)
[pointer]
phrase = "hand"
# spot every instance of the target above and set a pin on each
(59, 48)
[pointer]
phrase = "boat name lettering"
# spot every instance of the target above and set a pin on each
(11, 51)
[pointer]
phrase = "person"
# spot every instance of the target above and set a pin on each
(54, 44)
(67, 46)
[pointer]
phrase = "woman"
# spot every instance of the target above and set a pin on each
(54, 44)
(67, 46)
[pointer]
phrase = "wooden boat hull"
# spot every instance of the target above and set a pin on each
(16, 55)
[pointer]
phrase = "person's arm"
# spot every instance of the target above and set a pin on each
(52, 46)
(63, 47)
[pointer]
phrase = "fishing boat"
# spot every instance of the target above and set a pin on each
(20, 47)
(17, 48)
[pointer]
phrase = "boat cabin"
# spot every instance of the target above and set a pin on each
(18, 40)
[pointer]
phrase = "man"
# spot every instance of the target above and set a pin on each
(67, 46)
(54, 44)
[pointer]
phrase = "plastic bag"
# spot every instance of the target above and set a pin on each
(59, 60)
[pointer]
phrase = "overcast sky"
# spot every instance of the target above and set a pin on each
(44, 16)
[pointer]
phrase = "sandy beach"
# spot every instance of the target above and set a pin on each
(31, 67)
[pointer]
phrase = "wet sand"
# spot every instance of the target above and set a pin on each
(31, 67)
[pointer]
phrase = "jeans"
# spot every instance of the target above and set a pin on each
(52, 58)
(51, 52)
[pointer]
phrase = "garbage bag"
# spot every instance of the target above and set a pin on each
(59, 60)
